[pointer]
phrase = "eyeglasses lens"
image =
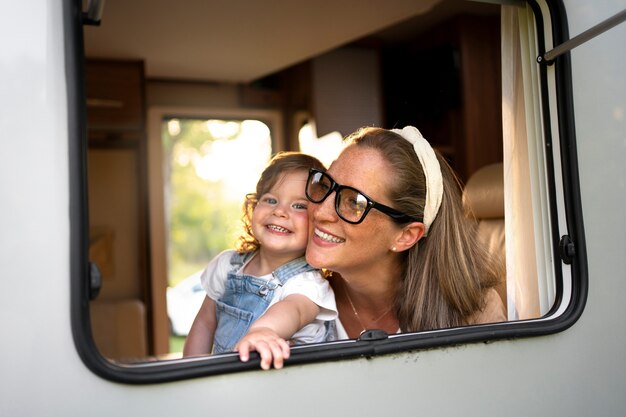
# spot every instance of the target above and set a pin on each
(351, 205)
(318, 187)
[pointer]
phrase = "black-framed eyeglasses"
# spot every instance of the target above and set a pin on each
(351, 205)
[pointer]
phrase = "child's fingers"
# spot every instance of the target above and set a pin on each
(270, 351)
(265, 352)
(280, 351)
(244, 351)
(277, 353)
(284, 346)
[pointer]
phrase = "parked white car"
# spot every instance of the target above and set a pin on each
(183, 302)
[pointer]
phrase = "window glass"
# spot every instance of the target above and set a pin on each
(209, 166)
(445, 70)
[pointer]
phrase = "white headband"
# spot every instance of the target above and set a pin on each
(432, 172)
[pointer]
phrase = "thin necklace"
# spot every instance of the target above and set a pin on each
(356, 314)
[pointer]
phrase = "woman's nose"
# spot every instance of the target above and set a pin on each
(324, 210)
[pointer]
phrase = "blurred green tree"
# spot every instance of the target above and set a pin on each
(202, 222)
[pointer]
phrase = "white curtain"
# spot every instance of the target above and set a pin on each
(530, 282)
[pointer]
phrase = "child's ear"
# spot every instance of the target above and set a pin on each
(408, 236)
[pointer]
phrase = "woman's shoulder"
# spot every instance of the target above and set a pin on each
(493, 312)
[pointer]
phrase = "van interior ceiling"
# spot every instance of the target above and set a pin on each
(433, 64)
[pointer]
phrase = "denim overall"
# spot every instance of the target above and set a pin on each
(246, 298)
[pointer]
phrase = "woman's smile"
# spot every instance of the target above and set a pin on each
(327, 237)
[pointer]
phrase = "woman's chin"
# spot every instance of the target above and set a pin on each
(316, 258)
(313, 260)
(322, 253)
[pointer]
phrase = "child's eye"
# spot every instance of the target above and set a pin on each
(269, 200)
(299, 206)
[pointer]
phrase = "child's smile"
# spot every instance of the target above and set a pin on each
(280, 220)
(278, 229)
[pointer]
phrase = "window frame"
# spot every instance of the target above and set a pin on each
(157, 224)
(565, 312)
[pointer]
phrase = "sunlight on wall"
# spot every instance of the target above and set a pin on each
(326, 148)
(237, 162)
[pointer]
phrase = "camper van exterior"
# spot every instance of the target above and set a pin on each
(569, 361)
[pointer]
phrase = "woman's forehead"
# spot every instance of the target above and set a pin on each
(364, 169)
(355, 158)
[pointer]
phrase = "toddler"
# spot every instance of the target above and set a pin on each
(267, 272)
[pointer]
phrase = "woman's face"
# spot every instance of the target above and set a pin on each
(350, 248)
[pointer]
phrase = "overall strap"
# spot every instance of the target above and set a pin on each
(291, 268)
(238, 259)
(283, 273)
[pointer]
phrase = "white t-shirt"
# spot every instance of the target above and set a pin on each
(341, 331)
(310, 284)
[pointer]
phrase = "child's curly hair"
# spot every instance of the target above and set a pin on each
(280, 164)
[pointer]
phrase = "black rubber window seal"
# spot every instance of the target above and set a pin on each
(373, 344)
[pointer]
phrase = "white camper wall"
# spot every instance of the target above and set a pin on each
(599, 93)
(579, 371)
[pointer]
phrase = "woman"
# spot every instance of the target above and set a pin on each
(387, 219)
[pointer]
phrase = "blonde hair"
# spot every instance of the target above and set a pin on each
(447, 273)
(280, 164)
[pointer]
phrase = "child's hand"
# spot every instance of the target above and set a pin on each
(269, 345)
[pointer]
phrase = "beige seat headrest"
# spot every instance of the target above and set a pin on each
(484, 192)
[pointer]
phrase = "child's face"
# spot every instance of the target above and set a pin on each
(280, 220)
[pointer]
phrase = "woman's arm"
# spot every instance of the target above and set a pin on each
(269, 334)
(200, 338)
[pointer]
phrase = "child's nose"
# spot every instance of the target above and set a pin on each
(280, 210)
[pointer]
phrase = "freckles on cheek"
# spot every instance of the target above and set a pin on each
(374, 228)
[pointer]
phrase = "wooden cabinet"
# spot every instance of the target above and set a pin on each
(448, 84)
(115, 95)
(118, 207)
